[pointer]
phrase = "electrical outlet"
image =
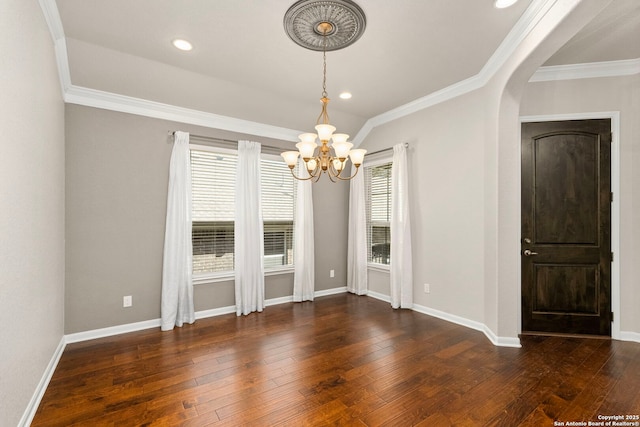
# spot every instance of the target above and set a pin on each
(332, 273)
(427, 288)
(127, 301)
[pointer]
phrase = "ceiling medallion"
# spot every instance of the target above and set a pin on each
(325, 23)
(305, 23)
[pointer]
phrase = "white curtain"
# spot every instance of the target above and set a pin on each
(401, 265)
(303, 254)
(248, 231)
(177, 286)
(357, 236)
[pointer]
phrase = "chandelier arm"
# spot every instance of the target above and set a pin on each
(352, 176)
(313, 174)
(337, 173)
(332, 170)
(316, 172)
(301, 179)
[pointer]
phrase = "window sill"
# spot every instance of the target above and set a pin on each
(278, 271)
(229, 276)
(385, 268)
(202, 279)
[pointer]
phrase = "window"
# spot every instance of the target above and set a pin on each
(213, 174)
(278, 195)
(378, 205)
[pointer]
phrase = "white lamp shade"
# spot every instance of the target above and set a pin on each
(307, 137)
(342, 149)
(290, 157)
(339, 137)
(306, 148)
(357, 156)
(325, 132)
(311, 165)
(337, 165)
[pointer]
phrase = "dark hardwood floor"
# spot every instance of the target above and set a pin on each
(342, 360)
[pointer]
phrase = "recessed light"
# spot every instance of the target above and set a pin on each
(501, 4)
(182, 44)
(345, 95)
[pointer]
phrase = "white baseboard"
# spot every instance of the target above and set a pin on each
(148, 324)
(472, 324)
(501, 341)
(155, 323)
(32, 407)
(276, 301)
(629, 336)
(379, 296)
(112, 330)
(496, 340)
(333, 291)
(213, 312)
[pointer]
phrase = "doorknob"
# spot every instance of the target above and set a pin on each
(527, 252)
(527, 240)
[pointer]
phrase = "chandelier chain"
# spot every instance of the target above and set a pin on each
(324, 74)
(324, 64)
(324, 115)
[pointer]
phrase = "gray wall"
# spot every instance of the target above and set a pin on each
(116, 184)
(447, 172)
(330, 223)
(31, 205)
(446, 175)
(464, 168)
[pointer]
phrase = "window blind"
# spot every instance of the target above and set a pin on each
(213, 198)
(278, 196)
(378, 206)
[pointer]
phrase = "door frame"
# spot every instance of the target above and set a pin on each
(615, 206)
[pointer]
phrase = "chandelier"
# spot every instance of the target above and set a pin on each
(324, 25)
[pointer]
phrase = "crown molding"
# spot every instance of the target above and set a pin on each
(62, 60)
(430, 100)
(110, 101)
(587, 71)
(51, 15)
(527, 22)
(142, 107)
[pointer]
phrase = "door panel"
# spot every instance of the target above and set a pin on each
(563, 214)
(571, 288)
(566, 223)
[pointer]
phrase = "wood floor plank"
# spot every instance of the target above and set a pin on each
(626, 370)
(341, 360)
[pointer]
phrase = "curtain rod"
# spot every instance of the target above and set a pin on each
(227, 141)
(406, 145)
(271, 147)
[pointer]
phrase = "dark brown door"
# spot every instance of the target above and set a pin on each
(566, 227)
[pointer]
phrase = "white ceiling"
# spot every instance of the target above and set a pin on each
(613, 35)
(244, 65)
